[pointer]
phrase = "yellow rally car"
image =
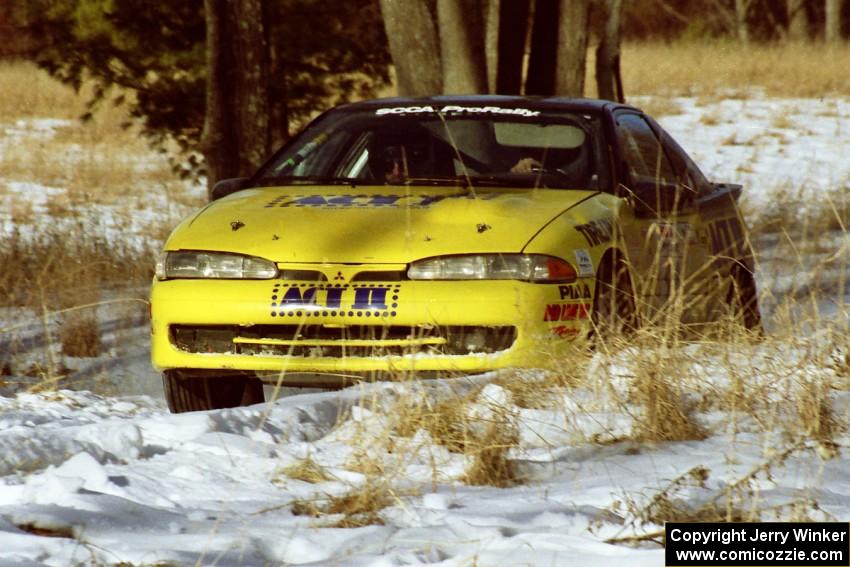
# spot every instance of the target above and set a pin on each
(447, 234)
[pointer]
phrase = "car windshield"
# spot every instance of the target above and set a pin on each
(449, 145)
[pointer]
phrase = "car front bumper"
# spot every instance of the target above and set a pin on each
(398, 326)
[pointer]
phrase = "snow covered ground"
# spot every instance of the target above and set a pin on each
(95, 479)
(774, 147)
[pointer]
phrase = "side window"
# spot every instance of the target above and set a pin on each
(642, 150)
(690, 175)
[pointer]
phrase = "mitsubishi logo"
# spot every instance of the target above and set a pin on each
(339, 277)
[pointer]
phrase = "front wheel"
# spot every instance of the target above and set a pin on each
(187, 391)
(614, 311)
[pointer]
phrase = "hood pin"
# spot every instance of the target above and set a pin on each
(236, 225)
(483, 227)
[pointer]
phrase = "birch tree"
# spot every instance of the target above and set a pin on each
(832, 30)
(742, 30)
(798, 25)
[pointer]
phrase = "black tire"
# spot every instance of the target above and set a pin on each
(743, 299)
(614, 312)
(192, 392)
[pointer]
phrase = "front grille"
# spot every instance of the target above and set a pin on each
(383, 276)
(302, 275)
(337, 341)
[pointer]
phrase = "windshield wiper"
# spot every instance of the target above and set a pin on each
(442, 180)
(537, 178)
(507, 180)
(304, 180)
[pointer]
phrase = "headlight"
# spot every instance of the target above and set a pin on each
(193, 264)
(525, 267)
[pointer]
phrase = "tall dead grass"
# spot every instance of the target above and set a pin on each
(102, 160)
(59, 279)
(664, 390)
(670, 385)
(60, 262)
(732, 69)
(61, 268)
(29, 92)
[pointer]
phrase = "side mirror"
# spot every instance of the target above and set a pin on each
(653, 197)
(227, 187)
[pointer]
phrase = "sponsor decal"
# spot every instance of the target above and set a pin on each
(566, 311)
(574, 291)
(334, 300)
(364, 201)
(670, 233)
(727, 237)
(585, 262)
(564, 331)
(597, 231)
(454, 109)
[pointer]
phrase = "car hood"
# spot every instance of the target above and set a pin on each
(341, 224)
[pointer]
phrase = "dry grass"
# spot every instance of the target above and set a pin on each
(792, 212)
(688, 498)
(96, 168)
(31, 93)
(445, 421)
(490, 464)
(65, 268)
(671, 504)
(79, 334)
(730, 69)
(815, 412)
(307, 470)
(360, 506)
(59, 257)
(482, 430)
(96, 161)
(666, 414)
(666, 389)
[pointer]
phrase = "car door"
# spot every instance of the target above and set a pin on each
(720, 229)
(662, 238)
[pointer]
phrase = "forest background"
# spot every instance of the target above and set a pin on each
(220, 84)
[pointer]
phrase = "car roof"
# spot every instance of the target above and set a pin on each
(588, 105)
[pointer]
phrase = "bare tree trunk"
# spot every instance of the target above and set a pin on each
(414, 46)
(217, 140)
(832, 31)
(235, 138)
(461, 26)
(252, 87)
(798, 24)
(513, 27)
(540, 79)
(278, 87)
(609, 83)
(742, 31)
(572, 48)
(491, 41)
